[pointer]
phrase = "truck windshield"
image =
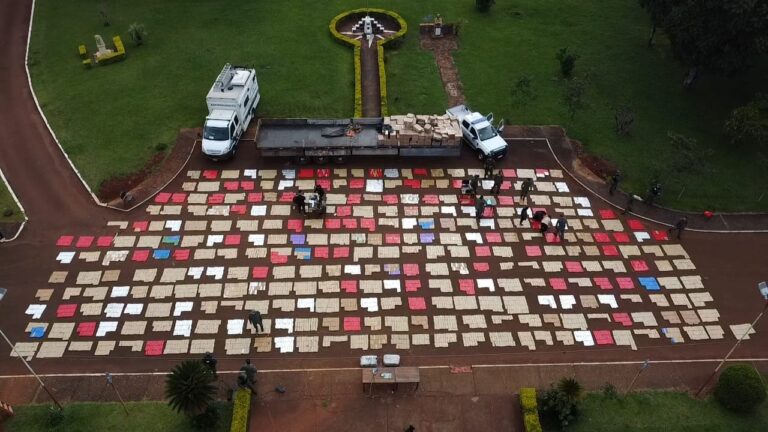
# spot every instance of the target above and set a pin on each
(487, 132)
(215, 133)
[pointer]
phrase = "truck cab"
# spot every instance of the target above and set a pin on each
(221, 134)
(478, 131)
(232, 102)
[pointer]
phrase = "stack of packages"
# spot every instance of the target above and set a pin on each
(421, 130)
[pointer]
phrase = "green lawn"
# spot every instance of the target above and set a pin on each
(7, 202)
(663, 411)
(111, 118)
(90, 417)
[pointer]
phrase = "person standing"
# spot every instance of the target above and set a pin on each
(524, 214)
(479, 207)
(525, 189)
(299, 202)
(210, 361)
(560, 227)
(654, 193)
(489, 166)
(630, 203)
(319, 191)
(680, 226)
(247, 376)
(256, 320)
(497, 180)
(615, 179)
(474, 183)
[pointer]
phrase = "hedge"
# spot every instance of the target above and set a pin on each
(382, 81)
(357, 44)
(740, 388)
(241, 411)
(530, 409)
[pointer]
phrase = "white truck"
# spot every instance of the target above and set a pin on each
(479, 132)
(232, 103)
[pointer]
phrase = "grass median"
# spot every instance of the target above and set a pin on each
(89, 417)
(112, 119)
(7, 203)
(662, 411)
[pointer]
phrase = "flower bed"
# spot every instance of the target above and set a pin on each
(357, 44)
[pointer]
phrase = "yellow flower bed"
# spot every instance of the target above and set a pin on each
(357, 46)
(241, 411)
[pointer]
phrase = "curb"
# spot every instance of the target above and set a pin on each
(96, 200)
(18, 203)
(577, 180)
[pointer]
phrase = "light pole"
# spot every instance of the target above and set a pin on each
(763, 288)
(3, 291)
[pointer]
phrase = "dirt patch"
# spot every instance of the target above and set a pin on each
(442, 48)
(155, 174)
(597, 166)
(9, 229)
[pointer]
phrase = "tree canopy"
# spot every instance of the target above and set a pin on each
(724, 37)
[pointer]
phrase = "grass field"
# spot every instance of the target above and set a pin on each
(110, 119)
(90, 417)
(7, 202)
(663, 411)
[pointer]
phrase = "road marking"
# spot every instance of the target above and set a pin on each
(263, 371)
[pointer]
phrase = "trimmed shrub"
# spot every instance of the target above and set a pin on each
(740, 388)
(358, 84)
(241, 411)
(530, 409)
(382, 81)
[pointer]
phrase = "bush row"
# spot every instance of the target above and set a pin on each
(530, 409)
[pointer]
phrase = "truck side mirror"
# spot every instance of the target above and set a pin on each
(489, 117)
(500, 128)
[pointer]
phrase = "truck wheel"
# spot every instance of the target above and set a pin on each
(480, 156)
(321, 160)
(301, 160)
(340, 160)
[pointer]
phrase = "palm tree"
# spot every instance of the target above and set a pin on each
(189, 388)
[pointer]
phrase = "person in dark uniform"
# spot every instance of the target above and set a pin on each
(526, 188)
(256, 320)
(615, 179)
(680, 226)
(319, 191)
(299, 202)
(560, 227)
(479, 207)
(474, 183)
(489, 166)
(210, 361)
(654, 193)
(497, 180)
(524, 214)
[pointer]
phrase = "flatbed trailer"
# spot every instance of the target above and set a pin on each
(305, 140)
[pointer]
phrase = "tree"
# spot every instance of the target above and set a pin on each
(190, 388)
(567, 61)
(522, 90)
(749, 124)
(561, 403)
(658, 10)
(484, 5)
(137, 33)
(574, 95)
(625, 119)
(688, 156)
(740, 388)
(724, 37)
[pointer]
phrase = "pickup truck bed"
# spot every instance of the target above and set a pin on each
(304, 138)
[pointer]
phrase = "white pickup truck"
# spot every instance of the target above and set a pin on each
(232, 103)
(480, 133)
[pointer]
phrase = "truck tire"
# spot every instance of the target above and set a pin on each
(321, 160)
(301, 160)
(339, 160)
(480, 155)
